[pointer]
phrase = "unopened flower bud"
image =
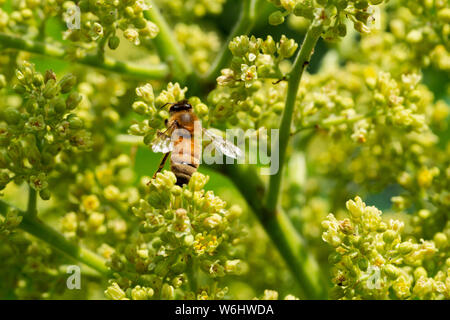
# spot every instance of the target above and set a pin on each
(45, 194)
(114, 292)
(198, 181)
(113, 42)
(140, 107)
(389, 236)
(146, 93)
(49, 74)
(51, 89)
(276, 18)
(12, 116)
(73, 100)
(167, 292)
(67, 82)
(75, 122)
(287, 47)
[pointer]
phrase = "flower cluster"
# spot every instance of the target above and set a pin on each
(414, 36)
(366, 98)
(255, 58)
(332, 14)
(99, 201)
(201, 46)
(371, 260)
(383, 121)
(42, 130)
(9, 222)
(182, 231)
(189, 9)
(251, 93)
(29, 16)
(150, 106)
(253, 108)
(101, 20)
(105, 101)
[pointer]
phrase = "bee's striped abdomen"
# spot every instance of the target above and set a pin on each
(185, 159)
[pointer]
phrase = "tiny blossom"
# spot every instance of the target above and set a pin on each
(205, 244)
(90, 203)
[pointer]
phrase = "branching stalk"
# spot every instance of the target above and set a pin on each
(324, 124)
(295, 75)
(157, 72)
(286, 239)
(47, 234)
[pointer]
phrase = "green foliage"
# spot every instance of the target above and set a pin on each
(41, 129)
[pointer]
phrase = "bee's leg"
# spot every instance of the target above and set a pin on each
(174, 125)
(161, 165)
(279, 80)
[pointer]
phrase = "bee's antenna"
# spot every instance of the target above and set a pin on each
(172, 103)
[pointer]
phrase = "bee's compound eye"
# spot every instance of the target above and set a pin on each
(166, 121)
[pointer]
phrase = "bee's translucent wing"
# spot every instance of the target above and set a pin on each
(162, 143)
(224, 146)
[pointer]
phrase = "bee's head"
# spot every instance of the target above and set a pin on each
(180, 106)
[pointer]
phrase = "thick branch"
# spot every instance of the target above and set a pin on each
(157, 72)
(278, 226)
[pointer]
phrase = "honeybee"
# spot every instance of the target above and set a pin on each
(181, 141)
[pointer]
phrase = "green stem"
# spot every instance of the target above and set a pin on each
(102, 46)
(167, 46)
(295, 75)
(32, 202)
(192, 277)
(47, 234)
(243, 26)
(283, 234)
(157, 72)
